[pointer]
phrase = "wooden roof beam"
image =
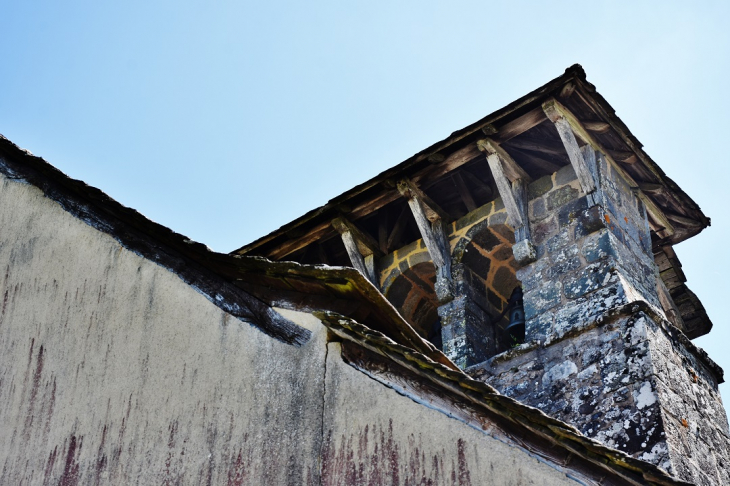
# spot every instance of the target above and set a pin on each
(431, 226)
(361, 248)
(520, 125)
(366, 244)
(510, 168)
(568, 127)
(433, 211)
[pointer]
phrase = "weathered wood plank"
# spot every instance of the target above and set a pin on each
(504, 187)
(437, 244)
(290, 246)
(430, 237)
(358, 262)
(544, 164)
(546, 147)
(567, 90)
(520, 125)
(455, 160)
(566, 125)
(651, 188)
(683, 220)
(365, 243)
(510, 168)
(596, 126)
(433, 211)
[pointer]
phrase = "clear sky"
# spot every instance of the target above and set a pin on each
(224, 120)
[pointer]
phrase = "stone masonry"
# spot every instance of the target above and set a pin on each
(599, 352)
(483, 276)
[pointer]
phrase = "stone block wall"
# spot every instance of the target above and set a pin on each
(587, 262)
(632, 384)
(600, 353)
(600, 382)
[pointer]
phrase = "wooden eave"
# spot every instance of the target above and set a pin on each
(681, 217)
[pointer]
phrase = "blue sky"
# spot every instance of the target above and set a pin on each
(224, 120)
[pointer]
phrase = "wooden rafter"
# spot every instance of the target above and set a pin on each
(520, 125)
(543, 146)
(540, 162)
(477, 181)
(399, 227)
(464, 192)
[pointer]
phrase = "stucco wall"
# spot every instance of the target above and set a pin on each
(411, 444)
(114, 371)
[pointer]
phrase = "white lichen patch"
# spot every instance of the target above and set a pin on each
(646, 396)
(559, 372)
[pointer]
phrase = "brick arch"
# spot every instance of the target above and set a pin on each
(487, 252)
(412, 293)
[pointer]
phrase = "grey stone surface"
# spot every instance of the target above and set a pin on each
(629, 382)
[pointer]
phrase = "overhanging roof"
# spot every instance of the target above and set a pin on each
(673, 215)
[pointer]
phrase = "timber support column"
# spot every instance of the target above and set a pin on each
(465, 330)
(361, 248)
(512, 182)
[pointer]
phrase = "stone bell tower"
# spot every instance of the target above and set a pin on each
(554, 195)
(604, 344)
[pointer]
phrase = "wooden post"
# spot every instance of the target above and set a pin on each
(361, 248)
(512, 182)
(430, 221)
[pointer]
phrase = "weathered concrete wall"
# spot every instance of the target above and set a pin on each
(412, 444)
(114, 371)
